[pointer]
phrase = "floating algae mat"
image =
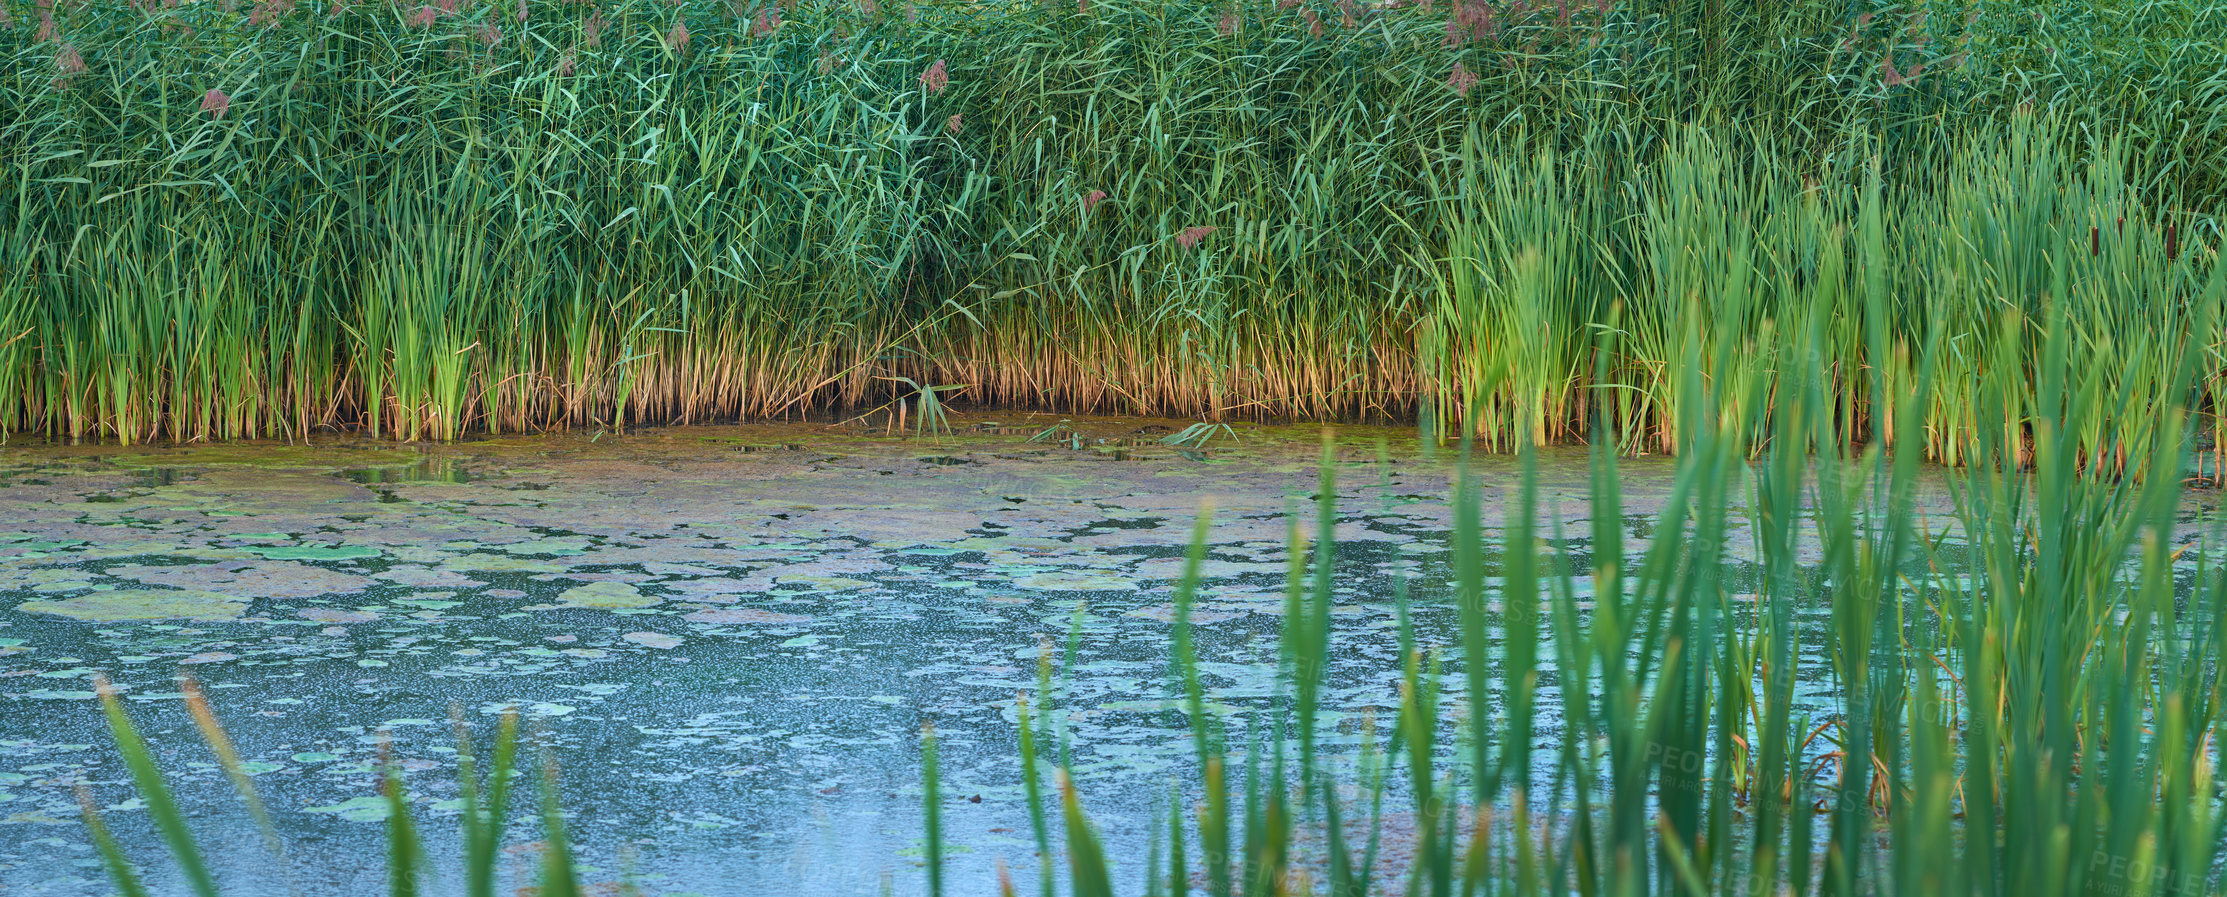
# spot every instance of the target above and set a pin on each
(729, 638)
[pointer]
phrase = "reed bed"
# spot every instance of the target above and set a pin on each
(2020, 697)
(266, 219)
(2024, 695)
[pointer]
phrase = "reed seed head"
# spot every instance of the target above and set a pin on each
(935, 78)
(677, 39)
(1228, 25)
(216, 103)
(768, 21)
(67, 61)
(954, 125)
(489, 35)
(1192, 236)
(1091, 202)
(268, 12)
(1461, 79)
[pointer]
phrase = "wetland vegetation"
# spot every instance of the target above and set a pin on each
(1776, 452)
(269, 219)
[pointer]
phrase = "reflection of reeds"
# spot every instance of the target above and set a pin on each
(764, 230)
(2022, 698)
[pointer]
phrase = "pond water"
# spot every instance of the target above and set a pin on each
(729, 637)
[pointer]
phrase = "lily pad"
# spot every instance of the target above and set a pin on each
(482, 562)
(1165, 613)
(250, 579)
(315, 552)
(357, 809)
(744, 615)
(51, 694)
(1075, 581)
(126, 605)
(606, 596)
(826, 583)
(657, 640)
(330, 615)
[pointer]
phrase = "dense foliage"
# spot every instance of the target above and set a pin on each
(222, 220)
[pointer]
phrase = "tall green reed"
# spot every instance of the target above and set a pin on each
(2022, 661)
(420, 221)
(484, 797)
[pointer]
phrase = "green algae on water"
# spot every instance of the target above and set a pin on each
(129, 605)
(606, 596)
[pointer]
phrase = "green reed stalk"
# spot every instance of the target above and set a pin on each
(558, 877)
(405, 855)
(932, 807)
(486, 805)
(147, 778)
(120, 871)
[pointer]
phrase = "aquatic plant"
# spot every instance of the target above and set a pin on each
(485, 803)
(1309, 218)
(2023, 694)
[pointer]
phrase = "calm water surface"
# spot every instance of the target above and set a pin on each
(729, 638)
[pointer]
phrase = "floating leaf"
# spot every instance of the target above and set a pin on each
(357, 809)
(1075, 581)
(606, 596)
(657, 640)
(744, 615)
(127, 605)
(315, 552)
